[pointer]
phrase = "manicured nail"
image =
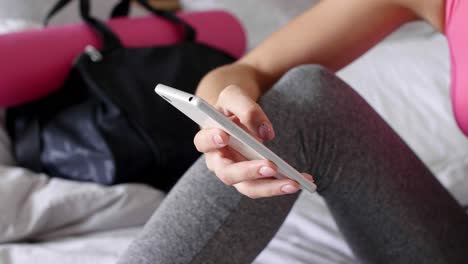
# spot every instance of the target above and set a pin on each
(267, 172)
(219, 140)
(266, 132)
(309, 177)
(289, 189)
(227, 112)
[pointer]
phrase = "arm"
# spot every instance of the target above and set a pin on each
(333, 33)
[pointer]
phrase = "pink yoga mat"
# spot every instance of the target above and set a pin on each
(36, 62)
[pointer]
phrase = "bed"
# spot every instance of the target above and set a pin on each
(405, 78)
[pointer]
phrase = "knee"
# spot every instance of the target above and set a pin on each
(309, 82)
(308, 70)
(313, 89)
(305, 80)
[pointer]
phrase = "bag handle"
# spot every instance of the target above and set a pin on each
(122, 9)
(110, 40)
(54, 10)
(108, 37)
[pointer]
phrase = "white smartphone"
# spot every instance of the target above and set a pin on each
(207, 116)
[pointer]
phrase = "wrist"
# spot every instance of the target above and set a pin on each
(239, 74)
(261, 80)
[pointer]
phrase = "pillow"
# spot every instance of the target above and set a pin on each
(260, 18)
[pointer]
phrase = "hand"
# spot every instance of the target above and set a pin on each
(254, 178)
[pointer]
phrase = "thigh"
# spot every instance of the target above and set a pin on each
(389, 206)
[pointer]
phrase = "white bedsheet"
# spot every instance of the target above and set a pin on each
(405, 79)
(60, 221)
(36, 207)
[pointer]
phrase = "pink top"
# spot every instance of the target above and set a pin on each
(456, 29)
(36, 62)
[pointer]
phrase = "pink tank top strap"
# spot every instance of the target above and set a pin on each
(456, 29)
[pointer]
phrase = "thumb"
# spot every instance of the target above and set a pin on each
(234, 101)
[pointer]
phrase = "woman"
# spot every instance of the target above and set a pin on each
(388, 205)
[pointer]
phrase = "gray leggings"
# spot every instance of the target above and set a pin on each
(385, 201)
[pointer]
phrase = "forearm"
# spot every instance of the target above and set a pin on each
(333, 33)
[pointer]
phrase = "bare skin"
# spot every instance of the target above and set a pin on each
(333, 33)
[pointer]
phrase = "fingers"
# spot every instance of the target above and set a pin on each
(234, 173)
(207, 140)
(267, 188)
(254, 178)
(233, 101)
(309, 177)
(244, 111)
